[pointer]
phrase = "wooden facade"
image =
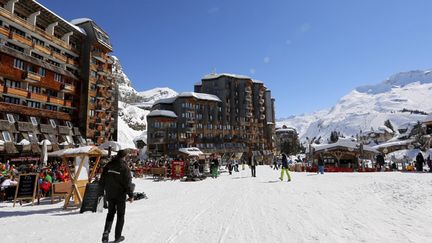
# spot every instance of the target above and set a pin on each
(44, 73)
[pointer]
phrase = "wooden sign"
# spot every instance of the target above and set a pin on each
(90, 200)
(27, 187)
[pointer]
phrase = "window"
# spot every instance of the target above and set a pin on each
(41, 72)
(33, 104)
(93, 74)
(69, 124)
(18, 48)
(92, 100)
(10, 118)
(55, 49)
(53, 63)
(17, 31)
(34, 89)
(53, 124)
(35, 55)
(37, 41)
(11, 100)
(69, 139)
(7, 137)
(51, 107)
(34, 121)
(19, 64)
(52, 93)
(58, 77)
(92, 113)
(12, 84)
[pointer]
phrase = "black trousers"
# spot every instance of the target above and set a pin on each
(253, 170)
(119, 207)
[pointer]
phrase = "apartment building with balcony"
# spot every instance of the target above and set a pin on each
(247, 109)
(45, 80)
(187, 120)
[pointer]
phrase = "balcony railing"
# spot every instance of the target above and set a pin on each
(59, 56)
(39, 97)
(71, 61)
(20, 38)
(68, 103)
(56, 101)
(32, 77)
(17, 92)
(4, 31)
(42, 49)
(69, 88)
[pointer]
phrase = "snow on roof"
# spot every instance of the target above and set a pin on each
(257, 81)
(200, 96)
(24, 142)
(289, 129)
(70, 24)
(80, 21)
(217, 75)
(198, 83)
(395, 143)
(192, 151)
(162, 113)
(404, 154)
(166, 101)
(343, 142)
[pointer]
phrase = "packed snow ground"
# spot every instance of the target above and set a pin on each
(334, 207)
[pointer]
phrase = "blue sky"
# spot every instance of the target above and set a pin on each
(309, 53)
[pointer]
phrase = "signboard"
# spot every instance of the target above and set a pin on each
(90, 200)
(177, 169)
(27, 187)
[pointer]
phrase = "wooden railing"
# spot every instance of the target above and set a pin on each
(56, 101)
(39, 97)
(20, 38)
(18, 92)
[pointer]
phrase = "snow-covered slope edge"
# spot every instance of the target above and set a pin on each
(403, 98)
(132, 121)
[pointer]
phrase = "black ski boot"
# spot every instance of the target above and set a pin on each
(120, 239)
(107, 230)
(105, 237)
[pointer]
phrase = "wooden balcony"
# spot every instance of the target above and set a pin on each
(68, 103)
(100, 56)
(17, 92)
(92, 119)
(72, 62)
(92, 93)
(29, 111)
(69, 88)
(2, 88)
(56, 101)
(32, 77)
(93, 67)
(38, 97)
(4, 31)
(59, 56)
(42, 49)
(20, 38)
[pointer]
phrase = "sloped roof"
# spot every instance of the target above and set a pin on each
(164, 113)
(343, 143)
(199, 96)
(217, 75)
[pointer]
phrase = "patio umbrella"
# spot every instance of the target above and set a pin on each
(44, 154)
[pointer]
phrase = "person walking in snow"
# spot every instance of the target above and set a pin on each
(419, 162)
(116, 181)
(252, 164)
(215, 166)
(284, 168)
(320, 165)
(229, 166)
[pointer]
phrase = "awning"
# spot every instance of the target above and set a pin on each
(192, 151)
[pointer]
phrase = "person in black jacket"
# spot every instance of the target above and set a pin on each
(419, 162)
(116, 181)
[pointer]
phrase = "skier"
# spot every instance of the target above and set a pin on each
(320, 165)
(275, 164)
(229, 166)
(284, 168)
(252, 164)
(236, 165)
(116, 181)
(419, 162)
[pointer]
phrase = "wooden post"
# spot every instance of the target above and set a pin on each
(75, 188)
(93, 173)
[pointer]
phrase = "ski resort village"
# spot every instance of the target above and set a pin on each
(210, 151)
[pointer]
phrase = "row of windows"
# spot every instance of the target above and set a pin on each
(20, 64)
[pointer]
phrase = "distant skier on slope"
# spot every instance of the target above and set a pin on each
(320, 165)
(284, 168)
(116, 181)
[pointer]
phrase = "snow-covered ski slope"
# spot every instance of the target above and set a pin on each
(343, 207)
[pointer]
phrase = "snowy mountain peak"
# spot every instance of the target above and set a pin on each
(398, 80)
(402, 99)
